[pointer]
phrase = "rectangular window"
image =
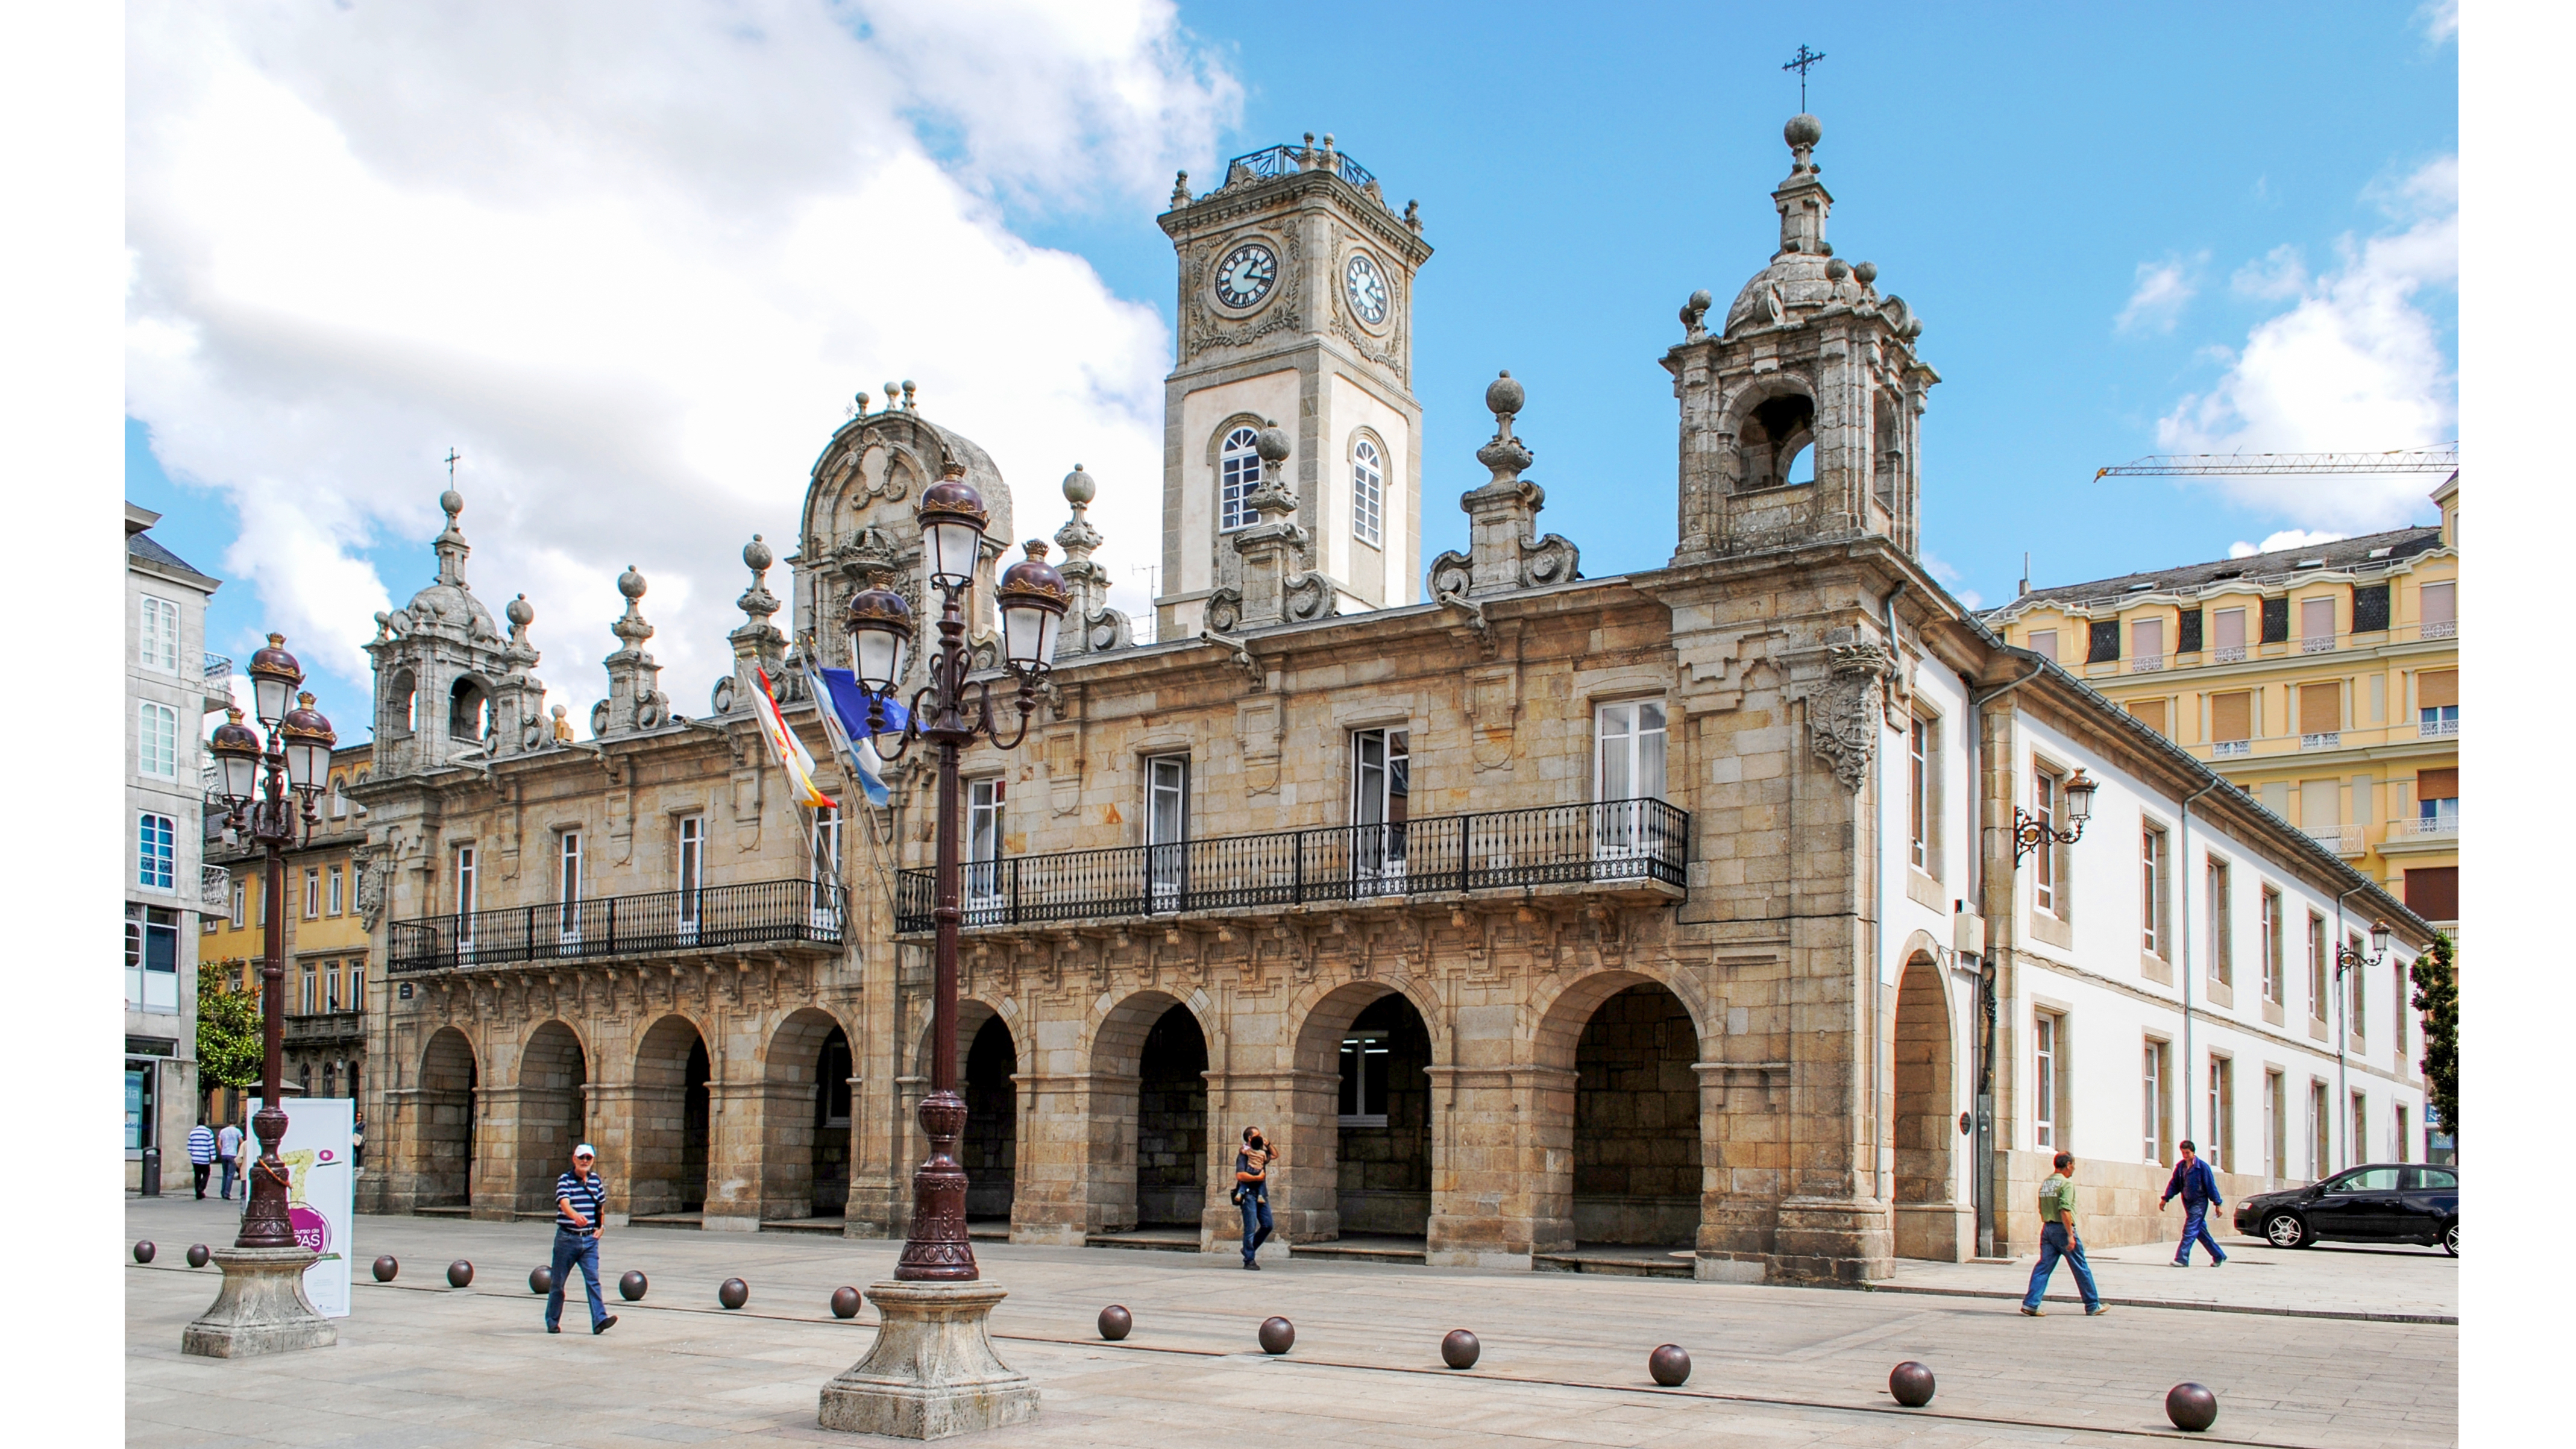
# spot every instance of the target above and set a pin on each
(2156, 1112)
(138, 1107)
(151, 958)
(2402, 1134)
(2043, 1109)
(2370, 608)
(2316, 625)
(1918, 795)
(2357, 1146)
(1364, 1079)
(2043, 642)
(2227, 636)
(2275, 990)
(2438, 606)
(2231, 722)
(241, 902)
(2222, 925)
(2189, 632)
(2151, 713)
(2045, 860)
(2397, 1008)
(158, 643)
(339, 798)
(2152, 891)
(2434, 892)
(305, 1002)
(2437, 801)
(1628, 769)
(2437, 703)
(2103, 645)
(465, 895)
(2222, 1114)
(827, 851)
(2356, 1016)
(331, 986)
(2276, 1126)
(156, 839)
(2320, 1123)
(691, 867)
(1167, 826)
(357, 1002)
(568, 885)
(2276, 621)
(2316, 966)
(1368, 492)
(2320, 710)
(156, 740)
(1382, 799)
(1238, 473)
(985, 806)
(2146, 645)
(334, 897)
(312, 892)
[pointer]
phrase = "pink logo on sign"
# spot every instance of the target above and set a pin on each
(323, 1156)
(312, 1230)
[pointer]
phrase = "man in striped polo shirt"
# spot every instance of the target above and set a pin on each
(578, 1195)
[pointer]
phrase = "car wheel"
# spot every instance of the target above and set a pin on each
(2451, 1240)
(2284, 1230)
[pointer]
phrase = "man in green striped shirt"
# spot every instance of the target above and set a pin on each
(2057, 1240)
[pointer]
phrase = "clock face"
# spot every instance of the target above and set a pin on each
(1366, 289)
(1244, 277)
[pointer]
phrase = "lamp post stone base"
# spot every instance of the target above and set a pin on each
(261, 1308)
(932, 1371)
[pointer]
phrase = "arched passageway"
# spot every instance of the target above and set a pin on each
(832, 1126)
(1171, 1123)
(798, 1070)
(552, 1073)
(989, 1149)
(1636, 1121)
(444, 1173)
(1384, 1153)
(668, 1173)
(1930, 1222)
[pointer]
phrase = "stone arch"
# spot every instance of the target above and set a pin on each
(1924, 1120)
(553, 1113)
(1621, 1110)
(1772, 422)
(400, 703)
(1151, 1147)
(1359, 1140)
(795, 1099)
(667, 1170)
(469, 708)
(443, 1131)
(1217, 453)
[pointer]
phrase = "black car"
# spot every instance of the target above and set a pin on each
(2379, 1202)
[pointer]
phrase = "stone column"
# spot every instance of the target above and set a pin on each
(1300, 1112)
(495, 1180)
(1502, 1174)
(611, 1114)
(783, 1114)
(733, 1156)
(1744, 1156)
(1051, 1202)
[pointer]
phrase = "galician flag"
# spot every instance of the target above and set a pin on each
(790, 751)
(845, 719)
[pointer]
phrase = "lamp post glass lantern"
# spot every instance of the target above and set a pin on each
(951, 712)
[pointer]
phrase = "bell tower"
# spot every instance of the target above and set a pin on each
(1296, 315)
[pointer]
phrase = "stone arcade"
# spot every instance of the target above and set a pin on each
(1549, 911)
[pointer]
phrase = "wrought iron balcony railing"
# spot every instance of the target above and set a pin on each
(1617, 840)
(756, 913)
(1272, 161)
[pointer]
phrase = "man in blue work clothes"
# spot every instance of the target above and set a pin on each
(578, 1195)
(2198, 1185)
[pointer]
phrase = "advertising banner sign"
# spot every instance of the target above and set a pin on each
(321, 1192)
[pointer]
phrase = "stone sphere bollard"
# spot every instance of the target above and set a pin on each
(845, 1302)
(1116, 1322)
(459, 1273)
(2191, 1407)
(733, 1293)
(1911, 1384)
(144, 1250)
(199, 1255)
(632, 1286)
(1460, 1349)
(541, 1280)
(1669, 1365)
(386, 1267)
(1277, 1335)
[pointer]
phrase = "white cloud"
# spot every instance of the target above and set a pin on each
(1951, 579)
(2440, 20)
(2356, 365)
(2285, 539)
(2281, 274)
(631, 261)
(2163, 288)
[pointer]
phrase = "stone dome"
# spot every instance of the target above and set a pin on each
(1798, 277)
(455, 606)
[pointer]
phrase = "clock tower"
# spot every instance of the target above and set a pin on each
(1296, 312)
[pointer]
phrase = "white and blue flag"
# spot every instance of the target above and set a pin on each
(845, 718)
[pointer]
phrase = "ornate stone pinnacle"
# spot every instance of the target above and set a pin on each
(630, 627)
(521, 614)
(1695, 315)
(908, 404)
(1180, 188)
(1505, 454)
(757, 602)
(451, 546)
(1078, 538)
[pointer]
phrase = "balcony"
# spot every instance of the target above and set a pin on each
(2146, 664)
(2443, 823)
(2323, 644)
(214, 887)
(756, 913)
(219, 682)
(2438, 729)
(2447, 629)
(326, 1028)
(2231, 749)
(1640, 842)
(2227, 654)
(2343, 840)
(2322, 740)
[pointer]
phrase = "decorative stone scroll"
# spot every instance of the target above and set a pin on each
(1842, 717)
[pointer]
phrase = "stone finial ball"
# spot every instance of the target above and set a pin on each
(845, 1302)
(386, 1267)
(1669, 1365)
(756, 555)
(1837, 269)
(520, 612)
(452, 501)
(1702, 300)
(631, 583)
(144, 1250)
(1866, 271)
(1116, 1322)
(199, 1254)
(1503, 395)
(1277, 1335)
(2191, 1407)
(460, 1273)
(1803, 130)
(1460, 1349)
(733, 1293)
(632, 1286)
(1911, 1384)
(1271, 442)
(541, 1279)
(1079, 489)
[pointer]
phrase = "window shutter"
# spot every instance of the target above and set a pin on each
(2320, 708)
(2437, 689)
(2043, 642)
(2189, 640)
(2434, 893)
(2230, 627)
(2231, 716)
(2147, 639)
(2439, 603)
(2438, 784)
(2105, 641)
(2276, 620)
(2151, 713)
(2369, 608)
(2316, 618)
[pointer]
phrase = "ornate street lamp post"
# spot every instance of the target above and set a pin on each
(267, 789)
(2348, 958)
(933, 1371)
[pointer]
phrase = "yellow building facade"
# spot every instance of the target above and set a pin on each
(2325, 681)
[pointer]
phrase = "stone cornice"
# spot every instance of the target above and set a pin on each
(1231, 205)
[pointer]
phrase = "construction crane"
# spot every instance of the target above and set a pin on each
(2440, 458)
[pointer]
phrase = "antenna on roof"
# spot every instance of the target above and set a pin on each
(2025, 571)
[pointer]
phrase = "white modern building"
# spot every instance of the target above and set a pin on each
(171, 683)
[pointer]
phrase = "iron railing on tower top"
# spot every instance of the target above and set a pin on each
(1610, 841)
(755, 913)
(1272, 161)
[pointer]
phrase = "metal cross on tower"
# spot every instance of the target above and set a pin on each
(1802, 62)
(450, 461)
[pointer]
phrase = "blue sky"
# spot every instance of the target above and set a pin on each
(2089, 209)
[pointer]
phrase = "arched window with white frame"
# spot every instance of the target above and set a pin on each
(1238, 473)
(1368, 492)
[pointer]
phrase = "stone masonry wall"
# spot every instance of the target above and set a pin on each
(1386, 1171)
(1171, 1124)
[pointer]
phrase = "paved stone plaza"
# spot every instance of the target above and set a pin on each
(1564, 1355)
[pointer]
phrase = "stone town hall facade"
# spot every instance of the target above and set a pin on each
(1552, 910)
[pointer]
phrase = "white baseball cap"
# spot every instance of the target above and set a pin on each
(584, 1150)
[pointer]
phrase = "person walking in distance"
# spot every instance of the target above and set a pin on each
(578, 1195)
(2198, 1185)
(228, 1140)
(1252, 1192)
(201, 1154)
(2058, 1239)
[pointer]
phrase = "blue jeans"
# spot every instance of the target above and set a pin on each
(571, 1248)
(2195, 1229)
(1256, 1223)
(2053, 1245)
(226, 1164)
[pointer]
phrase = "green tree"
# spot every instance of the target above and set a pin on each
(229, 1036)
(2437, 996)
